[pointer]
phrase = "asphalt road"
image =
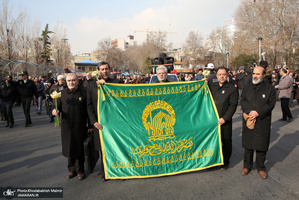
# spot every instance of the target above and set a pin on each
(31, 157)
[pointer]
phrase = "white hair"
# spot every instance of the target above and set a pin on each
(60, 77)
(72, 74)
(161, 67)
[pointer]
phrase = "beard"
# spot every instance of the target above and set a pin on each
(163, 79)
(257, 81)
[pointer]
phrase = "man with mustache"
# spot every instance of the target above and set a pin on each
(225, 96)
(92, 101)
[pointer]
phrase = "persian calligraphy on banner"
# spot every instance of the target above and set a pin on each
(152, 130)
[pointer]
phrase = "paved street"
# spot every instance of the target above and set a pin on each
(31, 157)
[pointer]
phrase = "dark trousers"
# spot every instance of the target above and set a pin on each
(260, 159)
(97, 144)
(26, 108)
(76, 165)
(7, 110)
(226, 139)
(285, 108)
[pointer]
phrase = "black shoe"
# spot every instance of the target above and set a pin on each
(26, 125)
(290, 120)
(282, 119)
(11, 126)
(224, 167)
(7, 125)
(38, 113)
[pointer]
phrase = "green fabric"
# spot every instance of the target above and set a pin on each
(152, 130)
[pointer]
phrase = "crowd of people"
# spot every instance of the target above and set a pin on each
(256, 89)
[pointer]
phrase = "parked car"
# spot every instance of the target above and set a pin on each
(170, 78)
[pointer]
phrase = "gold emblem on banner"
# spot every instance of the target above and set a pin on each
(158, 119)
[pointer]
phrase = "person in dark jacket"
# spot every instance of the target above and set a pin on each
(40, 93)
(258, 100)
(27, 89)
(268, 71)
(225, 96)
(59, 86)
(87, 80)
(49, 100)
(72, 105)
(241, 79)
(92, 102)
(212, 78)
(8, 92)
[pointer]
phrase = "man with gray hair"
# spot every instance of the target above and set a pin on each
(73, 106)
(257, 102)
(60, 85)
(162, 74)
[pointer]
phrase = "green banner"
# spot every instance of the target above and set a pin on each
(152, 130)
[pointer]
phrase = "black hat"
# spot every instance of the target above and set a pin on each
(51, 80)
(23, 73)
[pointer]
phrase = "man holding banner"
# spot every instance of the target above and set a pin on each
(226, 99)
(92, 100)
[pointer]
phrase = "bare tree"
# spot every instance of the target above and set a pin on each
(9, 31)
(193, 49)
(24, 38)
(134, 57)
(219, 44)
(276, 21)
(61, 48)
(156, 43)
(104, 45)
(113, 55)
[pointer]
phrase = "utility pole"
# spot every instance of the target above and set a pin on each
(260, 48)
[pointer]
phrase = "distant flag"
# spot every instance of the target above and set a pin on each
(174, 70)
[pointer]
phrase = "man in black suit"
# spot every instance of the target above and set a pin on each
(8, 94)
(27, 89)
(92, 101)
(72, 105)
(225, 96)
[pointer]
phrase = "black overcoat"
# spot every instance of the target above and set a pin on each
(261, 98)
(226, 101)
(92, 103)
(73, 106)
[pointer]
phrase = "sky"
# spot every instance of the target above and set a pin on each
(88, 21)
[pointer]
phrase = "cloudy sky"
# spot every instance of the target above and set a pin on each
(88, 21)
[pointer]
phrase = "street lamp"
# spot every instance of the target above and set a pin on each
(260, 50)
(65, 39)
(227, 54)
